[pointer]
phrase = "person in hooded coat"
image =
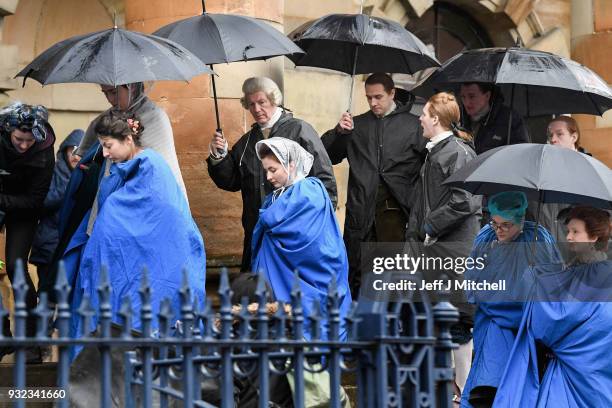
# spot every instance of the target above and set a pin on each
(506, 247)
(561, 357)
(297, 231)
(486, 118)
(47, 235)
(158, 134)
(83, 184)
(143, 220)
(238, 169)
(26, 164)
(442, 214)
(385, 151)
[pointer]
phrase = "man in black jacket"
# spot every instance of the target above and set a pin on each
(486, 118)
(385, 150)
(240, 169)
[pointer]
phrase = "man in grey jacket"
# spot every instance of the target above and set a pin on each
(385, 150)
(239, 169)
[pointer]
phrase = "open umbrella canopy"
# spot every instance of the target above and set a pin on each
(114, 57)
(547, 173)
(532, 82)
(217, 38)
(360, 44)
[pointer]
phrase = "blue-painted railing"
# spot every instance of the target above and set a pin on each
(400, 353)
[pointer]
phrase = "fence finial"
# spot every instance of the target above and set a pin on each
(125, 312)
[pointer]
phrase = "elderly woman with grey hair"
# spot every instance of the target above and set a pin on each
(239, 169)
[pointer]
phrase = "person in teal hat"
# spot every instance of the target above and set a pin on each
(506, 245)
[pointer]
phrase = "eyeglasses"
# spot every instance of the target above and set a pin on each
(504, 226)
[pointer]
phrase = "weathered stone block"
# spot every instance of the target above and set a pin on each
(602, 13)
(152, 9)
(593, 51)
(8, 7)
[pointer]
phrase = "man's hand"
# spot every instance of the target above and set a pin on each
(218, 145)
(345, 125)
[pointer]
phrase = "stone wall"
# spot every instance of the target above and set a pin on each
(591, 44)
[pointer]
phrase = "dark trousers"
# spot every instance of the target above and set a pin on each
(19, 236)
(389, 226)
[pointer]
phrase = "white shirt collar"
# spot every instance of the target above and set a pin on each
(437, 139)
(391, 108)
(273, 120)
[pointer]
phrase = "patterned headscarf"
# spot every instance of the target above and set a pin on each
(287, 151)
(33, 118)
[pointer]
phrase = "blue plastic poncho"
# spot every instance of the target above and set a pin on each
(297, 231)
(579, 337)
(143, 220)
(496, 323)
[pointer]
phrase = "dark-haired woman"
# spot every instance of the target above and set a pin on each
(26, 168)
(142, 219)
(444, 214)
(561, 357)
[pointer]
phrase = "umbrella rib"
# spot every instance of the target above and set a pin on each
(115, 30)
(227, 61)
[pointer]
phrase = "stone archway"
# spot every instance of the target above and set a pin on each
(504, 20)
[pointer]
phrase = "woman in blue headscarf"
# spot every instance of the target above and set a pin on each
(561, 357)
(297, 231)
(142, 219)
(505, 244)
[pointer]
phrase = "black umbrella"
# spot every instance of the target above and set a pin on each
(224, 38)
(113, 57)
(360, 44)
(549, 174)
(531, 82)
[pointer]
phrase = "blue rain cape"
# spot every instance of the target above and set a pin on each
(298, 231)
(496, 323)
(579, 337)
(143, 220)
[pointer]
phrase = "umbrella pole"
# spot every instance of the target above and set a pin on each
(215, 98)
(537, 224)
(350, 104)
(510, 119)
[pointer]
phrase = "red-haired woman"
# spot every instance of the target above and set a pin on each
(561, 357)
(444, 214)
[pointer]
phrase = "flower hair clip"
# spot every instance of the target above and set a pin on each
(133, 125)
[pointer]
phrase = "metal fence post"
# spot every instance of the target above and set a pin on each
(106, 315)
(445, 314)
(333, 316)
(146, 316)
(20, 289)
(262, 334)
(227, 383)
(188, 319)
(62, 290)
(298, 335)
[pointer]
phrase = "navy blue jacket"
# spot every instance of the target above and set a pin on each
(47, 235)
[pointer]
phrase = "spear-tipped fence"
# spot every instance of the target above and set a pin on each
(398, 352)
